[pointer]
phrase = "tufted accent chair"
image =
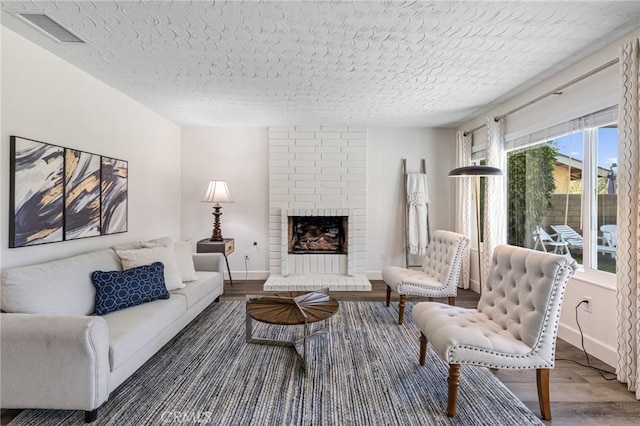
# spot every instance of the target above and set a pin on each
(515, 324)
(438, 276)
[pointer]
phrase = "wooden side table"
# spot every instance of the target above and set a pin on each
(225, 247)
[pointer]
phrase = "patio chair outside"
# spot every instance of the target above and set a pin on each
(610, 234)
(575, 240)
(545, 239)
(610, 237)
(568, 234)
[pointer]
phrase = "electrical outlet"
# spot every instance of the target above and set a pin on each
(383, 256)
(587, 305)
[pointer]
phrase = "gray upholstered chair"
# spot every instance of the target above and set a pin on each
(515, 325)
(438, 276)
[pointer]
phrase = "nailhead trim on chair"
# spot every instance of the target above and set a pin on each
(441, 265)
(517, 320)
(561, 271)
(438, 291)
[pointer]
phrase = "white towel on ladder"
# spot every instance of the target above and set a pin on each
(418, 200)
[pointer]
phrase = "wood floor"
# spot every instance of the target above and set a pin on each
(579, 395)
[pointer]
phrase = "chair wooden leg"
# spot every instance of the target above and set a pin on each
(401, 309)
(423, 348)
(388, 295)
(452, 301)
(542, 379)
(454, 374)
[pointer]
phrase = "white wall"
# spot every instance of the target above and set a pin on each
(49, 100)
(239, 156)
(385, 192)
(596, 92)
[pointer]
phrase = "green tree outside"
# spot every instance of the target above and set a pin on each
(530, 185)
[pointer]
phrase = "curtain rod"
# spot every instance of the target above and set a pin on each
(556, 91)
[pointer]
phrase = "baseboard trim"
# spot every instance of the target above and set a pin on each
(374, 275)
(250, 275)
(474, 285)
(596, 348)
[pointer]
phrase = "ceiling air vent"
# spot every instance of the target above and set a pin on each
(50, 27)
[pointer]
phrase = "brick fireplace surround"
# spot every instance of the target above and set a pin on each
(317, 171)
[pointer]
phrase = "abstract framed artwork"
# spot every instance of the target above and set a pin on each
(36, 205)
(59, 194)
(114, 195)
(81, 194)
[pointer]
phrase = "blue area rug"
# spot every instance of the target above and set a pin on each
(365, 372)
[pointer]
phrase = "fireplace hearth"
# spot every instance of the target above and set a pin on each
(317, 234)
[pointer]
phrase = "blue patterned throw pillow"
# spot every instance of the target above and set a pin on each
(117, 290)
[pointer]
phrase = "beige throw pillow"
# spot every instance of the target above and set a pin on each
(184, 256)
(146, 256)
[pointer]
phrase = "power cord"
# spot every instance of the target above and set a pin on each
(588, 364)
(246, 270)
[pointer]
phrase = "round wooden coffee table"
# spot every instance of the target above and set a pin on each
(290, 308)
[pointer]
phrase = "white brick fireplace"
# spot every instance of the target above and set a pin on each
(317, 171)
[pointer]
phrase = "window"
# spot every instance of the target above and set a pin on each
(606, 197)
(562, 193)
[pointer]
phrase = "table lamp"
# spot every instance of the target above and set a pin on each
(217, 193)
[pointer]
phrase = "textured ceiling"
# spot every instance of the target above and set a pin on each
(413, 63)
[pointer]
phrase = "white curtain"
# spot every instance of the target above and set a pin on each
(628, 271)
(495, 200)
(464, 202)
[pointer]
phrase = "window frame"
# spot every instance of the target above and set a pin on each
(587, 271)
(589, 266)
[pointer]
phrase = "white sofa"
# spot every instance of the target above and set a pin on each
(56, 354)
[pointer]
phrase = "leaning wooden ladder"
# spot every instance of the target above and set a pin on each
(423, 169)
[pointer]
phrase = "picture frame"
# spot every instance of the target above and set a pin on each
(61, 194)
(114, 195)
(36, 202)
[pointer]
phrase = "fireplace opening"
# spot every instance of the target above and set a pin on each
(318, 234)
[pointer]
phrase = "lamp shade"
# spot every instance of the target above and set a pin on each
(475, 171)
(217, 193)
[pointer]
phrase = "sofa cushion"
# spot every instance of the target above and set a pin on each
(146, 256)
(117, 290)
(60, 287)
(133, 328)
(197, 290)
